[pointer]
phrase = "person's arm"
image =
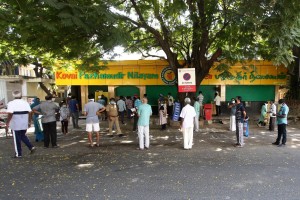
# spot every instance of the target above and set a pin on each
(9, 116)
(245, 114)
(101, 110)
(282, 115)
(29, 118)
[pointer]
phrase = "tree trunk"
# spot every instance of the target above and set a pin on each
(38, 70)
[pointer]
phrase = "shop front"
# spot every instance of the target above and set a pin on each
(254, 81)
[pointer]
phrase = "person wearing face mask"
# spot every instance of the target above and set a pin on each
(64, 117)
(113, 117)
(281, 123)
(232, 107)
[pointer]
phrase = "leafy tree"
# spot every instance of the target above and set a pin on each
(42, 32)
(202, 32)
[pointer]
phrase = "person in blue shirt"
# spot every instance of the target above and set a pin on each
(281, 123)
(74, 111)
(144, 112)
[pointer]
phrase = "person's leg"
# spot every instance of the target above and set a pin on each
(17, 143)
(89, 130)
(196, 122)
(76, 119)
(141, 137)
(119, 132)
(234, 123)
(25, 139)
(122, 117)
(62, 126)
(185, 138)
(241, 138)
(189, 137)
(66, 126)
(73, 119)
(46, 134)
(53, 133)
(110, 124)
(237, 132)
(283, 134)
(135, 120)
(96, 128)
(90, 137)
(147, 136)
(279, 134)
(231, 123)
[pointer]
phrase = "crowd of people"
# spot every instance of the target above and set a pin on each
(43, 114)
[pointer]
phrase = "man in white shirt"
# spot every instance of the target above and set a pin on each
(187, 115)
(218, 103)
(272, 116)
(19, 121)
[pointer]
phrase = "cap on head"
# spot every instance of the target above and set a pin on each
(17, 94)
(187, 100)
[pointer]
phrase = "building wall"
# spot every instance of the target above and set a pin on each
(34, 90)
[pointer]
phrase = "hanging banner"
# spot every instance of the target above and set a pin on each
(186, 80)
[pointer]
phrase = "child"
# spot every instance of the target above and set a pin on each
(64, 117)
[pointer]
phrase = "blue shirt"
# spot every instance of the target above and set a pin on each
(144, 112)
(284, 110)
(137, 103)
(72, 105)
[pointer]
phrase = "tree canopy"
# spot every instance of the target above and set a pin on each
(200, 32)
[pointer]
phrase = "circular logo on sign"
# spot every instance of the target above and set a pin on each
(186, 76)
(168, 76)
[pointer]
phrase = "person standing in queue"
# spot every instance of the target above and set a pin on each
(48, 109)
(281, 123)
(187, 115)
(113, 117)
(74, 111)
(91, 110)
(240, 116)
(144, 112)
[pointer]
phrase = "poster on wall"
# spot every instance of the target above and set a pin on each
(186, 80)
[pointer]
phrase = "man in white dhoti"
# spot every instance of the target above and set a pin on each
(187, 115)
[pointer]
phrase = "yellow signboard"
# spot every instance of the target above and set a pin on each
(159, 73)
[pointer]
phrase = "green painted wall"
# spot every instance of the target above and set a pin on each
(208, 92)
(127, 91)
(251, 92)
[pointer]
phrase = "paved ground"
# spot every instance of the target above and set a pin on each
(213, 169)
